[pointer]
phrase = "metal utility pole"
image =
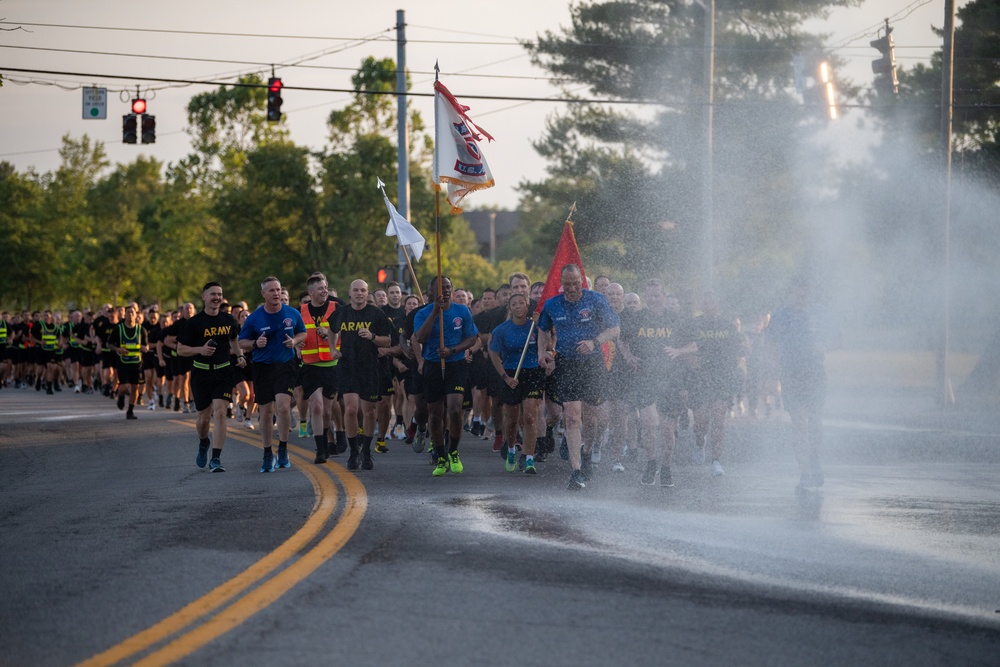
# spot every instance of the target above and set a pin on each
(403, 137)
(707, 207)
(946, 395)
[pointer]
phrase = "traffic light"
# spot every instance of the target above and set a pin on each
(884, 67)
(130, 125)
(148, 128)
(138, 106)
(382, 275)
(274, 99)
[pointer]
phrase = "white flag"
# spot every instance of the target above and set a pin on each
(458, 162)
(407, 233)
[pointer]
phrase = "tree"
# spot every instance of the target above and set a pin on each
(637, 179)
(27, 253)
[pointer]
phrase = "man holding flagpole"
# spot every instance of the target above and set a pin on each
(444, 383)
(584, 321)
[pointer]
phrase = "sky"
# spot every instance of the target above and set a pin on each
(476, 46)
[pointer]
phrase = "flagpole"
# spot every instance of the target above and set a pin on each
(437, 219)
(520, 362)
(399, 239)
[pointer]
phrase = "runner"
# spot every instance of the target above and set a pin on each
(444, 388)
(272, 332)
(128, 340)
(210, 337)
(520, 395)
(584, 321)
(319, 361)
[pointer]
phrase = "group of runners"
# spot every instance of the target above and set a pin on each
(615, 374)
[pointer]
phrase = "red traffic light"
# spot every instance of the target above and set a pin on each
(138, 105)
(274, 85)
(382, 275)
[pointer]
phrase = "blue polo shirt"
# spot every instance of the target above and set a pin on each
(458, 326)
(275, 326)
(508, 340)
(582, 320)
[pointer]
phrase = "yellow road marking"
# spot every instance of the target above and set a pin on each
(274, 588)
(326, 501)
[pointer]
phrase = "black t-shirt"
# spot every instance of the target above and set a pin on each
(359, 352)
(397, 320)
(202, 327)
(719, 346)
(102, 327)
(488, 320)
(647, 334)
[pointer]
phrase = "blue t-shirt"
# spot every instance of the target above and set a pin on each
(508, 341)
(801, 336)
(275, 326)
(583, 320)
(458, 326)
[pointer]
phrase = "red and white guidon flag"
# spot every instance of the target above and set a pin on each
(458, 161)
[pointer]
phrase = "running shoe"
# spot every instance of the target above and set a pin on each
(717, 470)
(283, 461)
(699, 457)
(576, 481)
(352, 460)
(381, 447)
(341, 444)
(666, 481)
(529, 467)
(130, 415)
(649, 474)
(248, 425)
(617, 467)
(418, 441)
(498, 442)
(152, 404)
(411, 433)
(303, 430)
(441, 468)
(202, 459)
(586, 468)
(268, 464)
(215, 465)
(455, 463)
(121, 401)
(366, 460)
(564, 449)
(511, 463)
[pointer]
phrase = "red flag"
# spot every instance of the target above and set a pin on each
(567, 252)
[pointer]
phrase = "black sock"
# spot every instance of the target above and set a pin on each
(452, 444)
(268, 451)
(399, 420)
(216, 452)
(353, 442)
(320, 442)
(204, 442)
(282, 445)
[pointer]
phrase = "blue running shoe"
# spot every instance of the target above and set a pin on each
(576, 481)
(202, 459)
(268, 465)
(283, 461)
(215, 465)
(529, 467)
(564, 450)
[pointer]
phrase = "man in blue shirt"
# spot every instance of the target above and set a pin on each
(444, 388)
(272, 332)
(583, 321)
(800, 334)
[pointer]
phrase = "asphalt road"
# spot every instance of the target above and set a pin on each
(117, 548)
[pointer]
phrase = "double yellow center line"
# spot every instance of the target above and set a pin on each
(234, 609)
